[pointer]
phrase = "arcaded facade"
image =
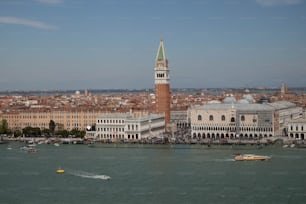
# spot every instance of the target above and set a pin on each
(297, 129)
(218, 121)
(129, 126)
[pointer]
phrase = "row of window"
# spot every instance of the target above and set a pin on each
(133, 137)
(297, 136)
(211, 118)
(110, 129)
(231, 136)
(117, 121)
(47, 116)
(160, 75)
(132, 127)
(248, 129)
(297, 128)
(44, 125)
(110, 136)
(120, 136)
(129, 127)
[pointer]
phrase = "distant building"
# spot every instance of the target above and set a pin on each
(162, 87)
(67, 120)
(129, 126)
(242, 120)
(86, 92)
(284, 112)
(284, 89)
(297, 129)
(218, 121)
(181, 118)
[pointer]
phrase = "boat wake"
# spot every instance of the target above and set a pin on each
(224, 160)
(85, 174)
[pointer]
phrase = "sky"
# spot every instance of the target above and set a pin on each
(112, 44)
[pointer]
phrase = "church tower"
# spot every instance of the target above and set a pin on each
(162, 86)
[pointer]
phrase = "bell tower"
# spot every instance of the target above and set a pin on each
(162, 86)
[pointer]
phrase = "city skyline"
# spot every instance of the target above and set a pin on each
(64, 44)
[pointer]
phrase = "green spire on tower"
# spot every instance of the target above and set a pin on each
(161, 55)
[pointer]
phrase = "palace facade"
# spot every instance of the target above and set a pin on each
(67, 120)
(128, 126)
(242, 120)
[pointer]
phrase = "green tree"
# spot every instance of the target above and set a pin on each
(27, 131)
(78, 133)
(17, 133)
(36, 131)
(45, 132)
(52, 126)
(31, 131)
(3, 127)
(82, 133)
(63, 133)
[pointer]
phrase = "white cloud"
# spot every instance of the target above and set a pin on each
(50, 1)
(278, 2)
(26, 22)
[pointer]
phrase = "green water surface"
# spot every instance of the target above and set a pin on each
(151, 174)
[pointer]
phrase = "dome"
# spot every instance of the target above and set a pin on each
(230, 99)
(214, 102)
(243, 101)
(249, 98)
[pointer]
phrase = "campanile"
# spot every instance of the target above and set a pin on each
(162, 86)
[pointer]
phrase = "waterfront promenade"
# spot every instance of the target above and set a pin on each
(164, 140)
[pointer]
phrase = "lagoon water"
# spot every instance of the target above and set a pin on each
(151, 174)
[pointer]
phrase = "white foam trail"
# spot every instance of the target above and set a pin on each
(224, 160)
(85, 174)
(103, 177)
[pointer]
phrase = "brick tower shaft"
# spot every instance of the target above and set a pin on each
(162, 85)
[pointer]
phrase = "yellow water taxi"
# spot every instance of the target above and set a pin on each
(251, 157)
(60, 171)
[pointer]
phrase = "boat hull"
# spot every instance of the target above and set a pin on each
(60, 171)
(251, 158)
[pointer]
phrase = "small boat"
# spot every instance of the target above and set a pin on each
(91, 144)
(25, 148)
(251, 157)
(60, 171)
(32, 150)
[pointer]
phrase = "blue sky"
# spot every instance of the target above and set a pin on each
(101, 44)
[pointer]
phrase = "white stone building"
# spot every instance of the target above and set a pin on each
(284, 112)
(129, 126)
(180, 118)
(218, 121)
(242, 119)
(297, 129)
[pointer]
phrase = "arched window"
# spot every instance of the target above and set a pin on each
(242, 118)
(223, 117)
(232, 119)
(199, 117)
(211, 117)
